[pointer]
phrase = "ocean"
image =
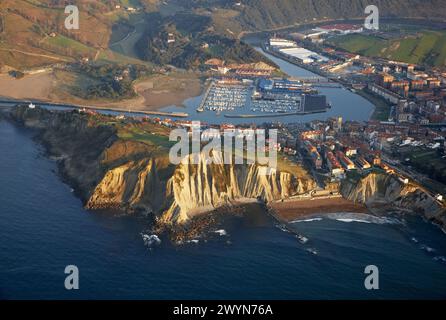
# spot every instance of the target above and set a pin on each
(44, 228)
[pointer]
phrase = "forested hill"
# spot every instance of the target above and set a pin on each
(266, 14)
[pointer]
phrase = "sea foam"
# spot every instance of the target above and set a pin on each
(361, 218)
(307, 220)
(221, 232)
(150, 240)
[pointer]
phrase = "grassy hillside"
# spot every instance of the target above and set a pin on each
(32, 32)
(425, 47)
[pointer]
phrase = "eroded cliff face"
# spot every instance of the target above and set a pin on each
(133, 185)
(388, 191)
(194, 188)
(108, 172)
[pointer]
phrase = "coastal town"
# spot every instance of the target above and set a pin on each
(406, 136)
(223, 150)
(409, 93)
(334, 150)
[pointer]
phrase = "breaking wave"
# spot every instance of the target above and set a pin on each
(427, 248)
(221, 232)
(361, 218)
(150, 240)
(306, 220)
(312, 251)
(351, 217)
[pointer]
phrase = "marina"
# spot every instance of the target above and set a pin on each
(344, 103)
(262, 98)
(221, 96)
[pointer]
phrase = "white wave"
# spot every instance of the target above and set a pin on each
(221, 232)
(361, 218)
(440, 258)
(427, 248)
(302, 239)
(312, 251)
(282, 227)
(194, 241)
(306, 220)
(414, 239)
(352, 220)
(150, 240)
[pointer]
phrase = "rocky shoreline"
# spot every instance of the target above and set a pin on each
(381, 193)
(107, 172)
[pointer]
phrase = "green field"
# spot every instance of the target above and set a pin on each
(429, 162)
(147, 133)
(67, 43)
(382, 106)
(130, 3)
(424, 47)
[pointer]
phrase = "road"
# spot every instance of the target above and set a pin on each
(11, 103)
(36, 54)
(417, 177)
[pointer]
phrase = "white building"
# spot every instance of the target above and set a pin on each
(340, 28)
(304, 55)
(281, 43)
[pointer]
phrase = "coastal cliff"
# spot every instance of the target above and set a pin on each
(194, 188)
(109, 172)
(111, 164)
(380, 191)
(134, 185)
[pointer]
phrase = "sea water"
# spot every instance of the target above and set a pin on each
(44, 228)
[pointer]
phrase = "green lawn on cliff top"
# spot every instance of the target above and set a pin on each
(148, 133)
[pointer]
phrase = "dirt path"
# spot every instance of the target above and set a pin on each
(36, 54)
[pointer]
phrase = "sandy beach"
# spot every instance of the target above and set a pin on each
(38, 86)
(153, 94)
(291, 210)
